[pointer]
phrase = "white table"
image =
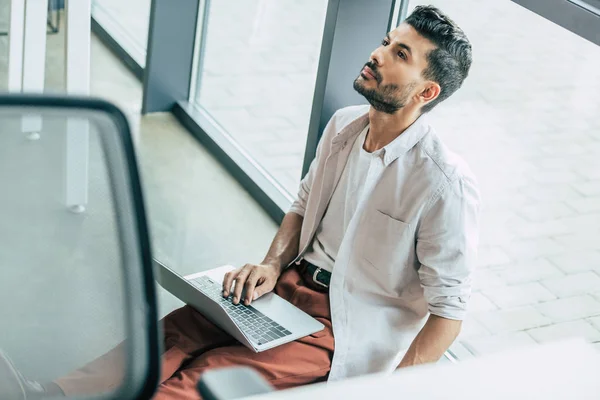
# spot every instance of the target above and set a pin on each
(563, 370)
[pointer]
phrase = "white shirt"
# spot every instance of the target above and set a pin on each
(409, 249)
(323, 250)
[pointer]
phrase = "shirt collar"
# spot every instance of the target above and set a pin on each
(406, 141)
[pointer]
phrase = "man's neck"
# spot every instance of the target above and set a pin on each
(384, 128)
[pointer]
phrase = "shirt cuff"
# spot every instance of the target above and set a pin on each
(448, 303)
(448, 313)
(297, 209)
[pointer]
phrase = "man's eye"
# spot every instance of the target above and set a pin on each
(402, 55)
(384, 42)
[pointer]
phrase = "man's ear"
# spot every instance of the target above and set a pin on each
(430, 93)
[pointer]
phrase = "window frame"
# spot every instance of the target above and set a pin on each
(574, 15)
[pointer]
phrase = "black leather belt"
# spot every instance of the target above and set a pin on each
(320, 276)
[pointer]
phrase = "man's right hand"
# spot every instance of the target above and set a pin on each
(255, 279)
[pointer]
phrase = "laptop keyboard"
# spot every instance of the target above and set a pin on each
(257, 327)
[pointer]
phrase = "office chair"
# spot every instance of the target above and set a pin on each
(73, 286)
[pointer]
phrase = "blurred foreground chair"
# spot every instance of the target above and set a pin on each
(73, 286)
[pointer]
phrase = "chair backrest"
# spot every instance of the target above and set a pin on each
(75, 262)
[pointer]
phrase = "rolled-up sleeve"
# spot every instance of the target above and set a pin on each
(446, 247)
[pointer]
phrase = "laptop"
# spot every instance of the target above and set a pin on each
(267, 322)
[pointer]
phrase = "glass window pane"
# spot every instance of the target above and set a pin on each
(127, 22)
(526, 120)
(590, 5)
(257, 76)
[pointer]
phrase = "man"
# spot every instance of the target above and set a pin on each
(379, 245)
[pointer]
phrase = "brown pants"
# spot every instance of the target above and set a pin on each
(193, 345)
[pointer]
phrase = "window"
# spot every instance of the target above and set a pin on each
(127, 22)
(589, 5)
(526, 120)
(256, 78)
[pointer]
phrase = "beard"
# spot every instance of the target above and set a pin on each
(387, 98)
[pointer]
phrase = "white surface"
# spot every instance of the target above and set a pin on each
(564, 370)
(34, 45)
(77, 79)
(78, 132)
(77, 56)
(15, 45)
(34, 56)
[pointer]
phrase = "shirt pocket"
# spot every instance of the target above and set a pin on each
(386, 242)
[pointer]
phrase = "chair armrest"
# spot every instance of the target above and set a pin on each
(232, 383)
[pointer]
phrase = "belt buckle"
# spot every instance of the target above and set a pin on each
(315, 278)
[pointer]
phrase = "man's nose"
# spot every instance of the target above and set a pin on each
(377, 57)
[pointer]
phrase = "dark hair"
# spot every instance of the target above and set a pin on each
(449, 63)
